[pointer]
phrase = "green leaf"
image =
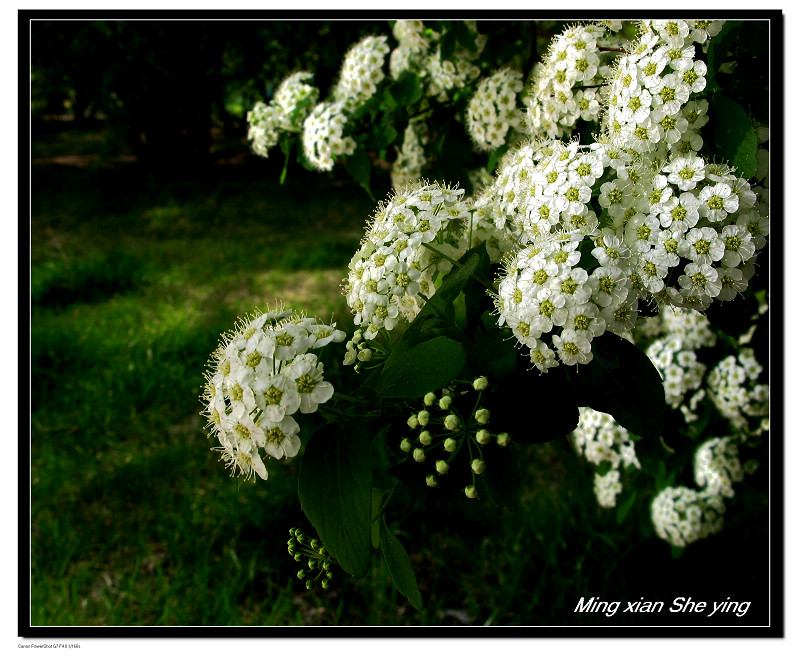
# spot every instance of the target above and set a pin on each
(407, 90)
(494, 158)
(625, 508)
(425, 367)
(335, 489)
(735, 138)
(439, 305)
(396, 557)
(357, 165)
(378, 497)
(447, 44)
(718, 49)
(381, 136)
(493, 355)
(621, 381)
(676, 552)
(464, 36)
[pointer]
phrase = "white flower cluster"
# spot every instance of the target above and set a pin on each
(323, 130)
(412, 49)
(673, 230)
(286, 112)
(678, 366)
(733, 388)
(542, 198)
(323, 135)
(393, 273)
(648, 98)
(444, 431)
(681, 515)
(411, 158)
(259, 376)
(607, 487)
(565, 85)
(456, 71)
(599, 438)
(361, 72)
(492, 110)
(717, 466)
(691, 327)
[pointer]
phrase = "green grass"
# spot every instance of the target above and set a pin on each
(135, 520)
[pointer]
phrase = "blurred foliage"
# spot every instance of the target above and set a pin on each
(161, 86)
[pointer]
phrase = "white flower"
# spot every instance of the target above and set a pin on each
(686, 172)
(307, 371)
(253, 387)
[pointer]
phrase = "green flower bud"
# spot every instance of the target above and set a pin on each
(431, 481)
(478, 466)
(451, 422)
(504, 439)
(442, 467)
(312, 564)
(471, 491)
(309, 585)
(301, 574)
(423, 417)
(315, 544)
(419, 455)
(298, 557)
(357, 336)
(425, 438)
(482, 416)
(444, 402)
(430, 398)
(365, 355)
(405, 445)
(325, 584)
(480, 383)
(450, 445)
(412, 422)
(483, 436)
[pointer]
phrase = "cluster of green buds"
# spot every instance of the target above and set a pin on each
(318, 561)
(445, 427)
(359, 351)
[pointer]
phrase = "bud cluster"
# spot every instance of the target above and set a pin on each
(444, 428)
(318, 562)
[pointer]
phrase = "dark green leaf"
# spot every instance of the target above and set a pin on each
(603, 468)
(357, 165)
(439, 305)
(407, 90)
(447, 44)
(464, 36)
(378, 497)
(735, 138)
(624, 508)
(335, 489)
(383, 134)
(676, 552)
(425, 367)
(399, 563)
(494, 158)
(718, 49)
(621, 381)
(493, 355)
